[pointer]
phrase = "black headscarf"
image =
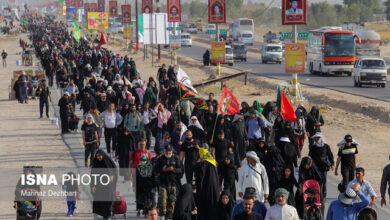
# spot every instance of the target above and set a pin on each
(185, 203)
(225, 211)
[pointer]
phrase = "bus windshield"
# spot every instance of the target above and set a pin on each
(339, 45)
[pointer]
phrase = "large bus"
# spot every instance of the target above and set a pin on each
(331, 50)
(242, 29)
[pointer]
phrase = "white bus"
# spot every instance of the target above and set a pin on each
(242, 27)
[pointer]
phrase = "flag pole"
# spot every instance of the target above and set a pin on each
(215, 125)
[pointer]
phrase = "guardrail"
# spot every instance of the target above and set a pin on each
(223, 78)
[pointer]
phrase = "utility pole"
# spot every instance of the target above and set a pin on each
(136, 25)
(217, 32)
(295, 75)
(158, 45)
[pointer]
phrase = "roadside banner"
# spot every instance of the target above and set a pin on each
(126, 13)
(93, 7)
(217, 11)
(101, 5)
(113, 5)
(147, 6)
(154, 28)
(294, 12)
(70, 14)
(97, 20)
(127, 32)
(175, 42)
(218, 52)
(140, 24)
(295, 58)
(174, 10)
(64, 10)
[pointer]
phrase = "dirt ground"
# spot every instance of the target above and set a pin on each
(27, 140)
(365, 119)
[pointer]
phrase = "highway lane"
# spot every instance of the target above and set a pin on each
(276, 71)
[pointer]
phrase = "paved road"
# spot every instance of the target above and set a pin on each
(338, 83)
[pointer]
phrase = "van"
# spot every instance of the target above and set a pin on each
(240, 52)
(245, 37)
(186, 40)
(272, 53)
(370, 71)
(229, 57)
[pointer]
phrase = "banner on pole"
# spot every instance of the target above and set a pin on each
(86, 7)
(294, 12)
(97, 20)
(93, 7)
(126, 13)
(101, 5)
(295, 58)
(218, 52)
(80, 3)
(217, 11)
(147, 6)
(127, 33)
(174, 10)
(113, 5)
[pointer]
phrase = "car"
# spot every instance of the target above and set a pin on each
(186, 40)
(229, 57)
(272, 53)
(192, 29)
(239, 52)
(370, 71)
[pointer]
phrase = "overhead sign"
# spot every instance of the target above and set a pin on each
(97, 20)
(174, 10)
(175, 42)
(217, 11)
(294, 12)
(113, 6)
(126, 13)
(171, 28)
(222, 31)
(218, 52)
(288, 35)
(147, 6)
(295, 58)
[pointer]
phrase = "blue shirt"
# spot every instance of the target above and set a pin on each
(258, 208)
(253, 125)
(338, 211)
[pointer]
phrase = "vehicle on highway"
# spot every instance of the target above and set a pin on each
(272, 53)
(192, 29)
(210, 27)
(199, 25)
(331, 50)
(268, 37)
(186, 40)
(241, 25)
(370, 71)
(239, 52)
(245, 37)
(229, 57)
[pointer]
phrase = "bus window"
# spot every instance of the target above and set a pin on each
(246, 22)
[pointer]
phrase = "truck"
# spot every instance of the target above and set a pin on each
(240, 27)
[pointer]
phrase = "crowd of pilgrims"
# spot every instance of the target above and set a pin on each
(206, 147)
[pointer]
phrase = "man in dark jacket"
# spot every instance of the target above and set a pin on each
(170, 170)
(384, 183)
(314, 122)
(220, 148)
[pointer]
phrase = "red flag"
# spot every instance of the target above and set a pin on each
(228, 104)
(102, 40)
(286, 109)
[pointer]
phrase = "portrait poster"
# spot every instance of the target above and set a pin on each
(80, 3)
(217, 11)
(86, 7)
(294, 12)
(101, 5)
(113, 6)
(92, 7)
(174, 10)
(147, 6)
(126, 13)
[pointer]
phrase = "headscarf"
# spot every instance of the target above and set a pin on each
(206, 156)
(314, 117)
(197, 123)
(225, 211)
(185, 202)
(120, 81)
(150, 97)
(320, 142)
(282, 191)
(236, 117)
(256, 106)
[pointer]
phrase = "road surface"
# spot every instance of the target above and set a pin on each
(339, 83)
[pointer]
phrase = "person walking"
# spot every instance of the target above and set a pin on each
(258, 207)
(134, 122)
(44, 97)
(22, 83)
(344, 208)
(347, 155)
(314, 121)
(63, 103)
(253, 174)
(90, 139)
(111, 119)
(364, 185)
(281, 210)
(4, 55)
(385, 181)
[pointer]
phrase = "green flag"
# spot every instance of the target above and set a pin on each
(60, 2)
(278, 98)
(23, 22)
(76, 31)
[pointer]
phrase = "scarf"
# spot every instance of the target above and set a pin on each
(197, 124)
(206, 156)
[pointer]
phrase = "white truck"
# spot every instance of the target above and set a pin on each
(242, 27)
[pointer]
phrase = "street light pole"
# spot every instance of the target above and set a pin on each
(295, 75)
(136, 25)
